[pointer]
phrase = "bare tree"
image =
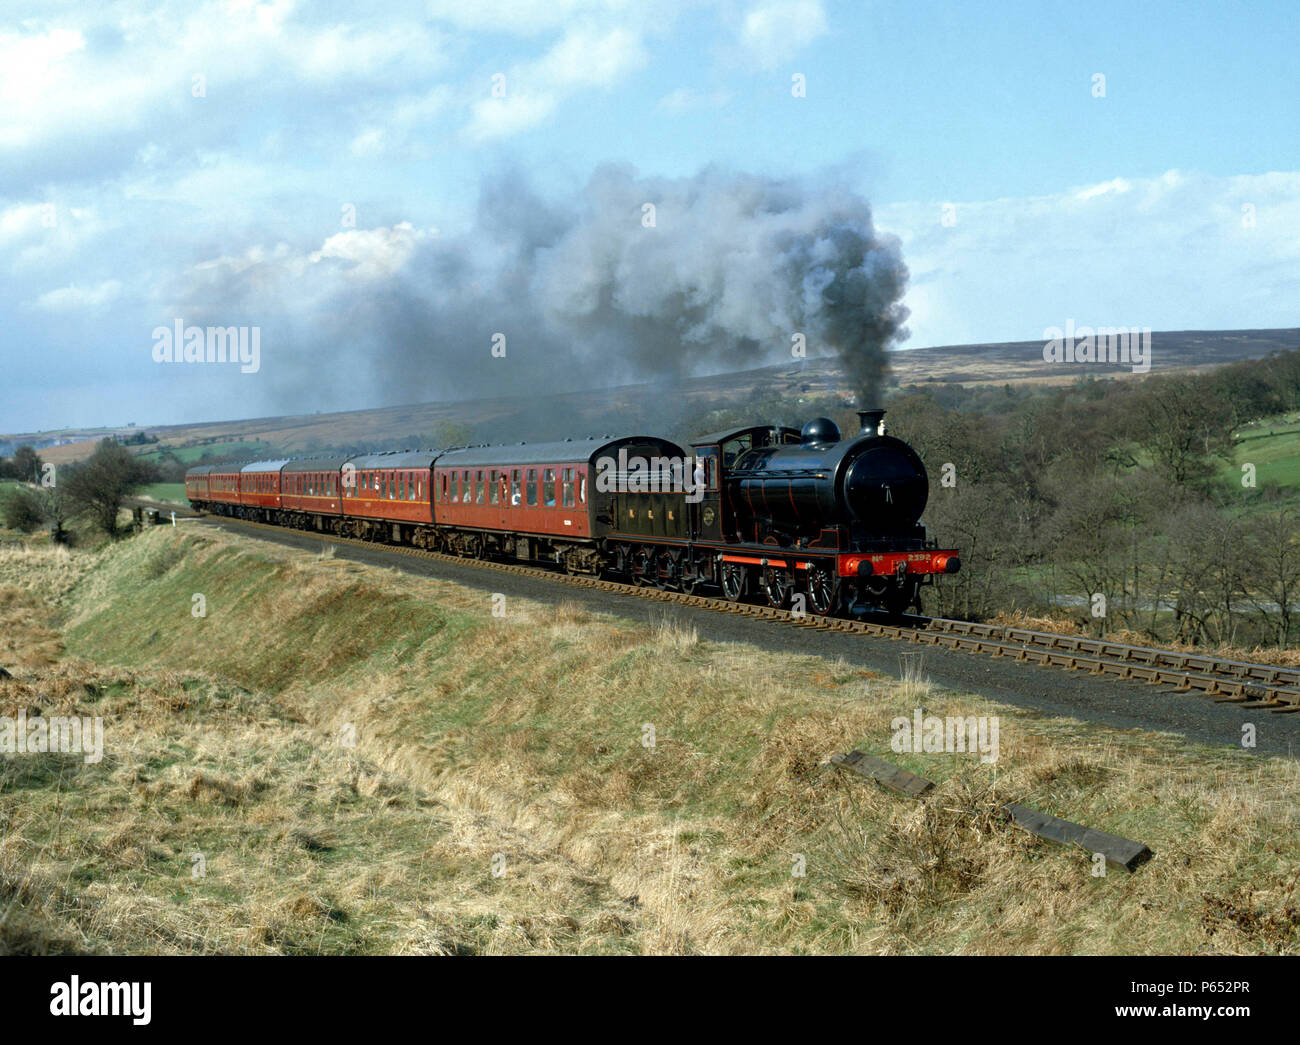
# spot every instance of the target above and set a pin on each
(1273, 555)
(98, 486)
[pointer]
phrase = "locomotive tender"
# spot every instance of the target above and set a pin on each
(769, 511)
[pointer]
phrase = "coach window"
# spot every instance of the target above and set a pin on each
(532, 488)
(582, 488)
(548, 488)
(480, 487)
(514, 488)
(494, 488)
(467, 489)
(401, 486)
(568, 488)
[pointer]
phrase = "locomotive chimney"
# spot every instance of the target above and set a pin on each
(872, 422)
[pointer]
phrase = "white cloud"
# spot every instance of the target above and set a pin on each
(583, 58)
(66, 299)
(1174, 252)
(773, 31)
(124, 66)
(530, 17)
(685, 100)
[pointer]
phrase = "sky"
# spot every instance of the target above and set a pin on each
(379, 188)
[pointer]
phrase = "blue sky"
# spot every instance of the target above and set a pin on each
(1173, 201)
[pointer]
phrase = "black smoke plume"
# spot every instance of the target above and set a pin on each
(633, 279)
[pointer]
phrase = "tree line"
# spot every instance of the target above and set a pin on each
(1111, 498)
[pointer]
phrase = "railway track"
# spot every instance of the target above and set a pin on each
(1245, 684)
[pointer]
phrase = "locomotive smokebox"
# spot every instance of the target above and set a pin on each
(871, 420)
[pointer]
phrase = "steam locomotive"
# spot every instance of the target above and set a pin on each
(796, 517)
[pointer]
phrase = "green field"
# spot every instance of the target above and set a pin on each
(1273, 447)
(174, 492)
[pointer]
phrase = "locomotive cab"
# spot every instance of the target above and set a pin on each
(713, 518)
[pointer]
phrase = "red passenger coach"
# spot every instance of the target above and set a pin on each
(259, 488)
(223, 484)
(197, 486)
(388, 488)
(536, 501)
(539, 489)
(312, 486)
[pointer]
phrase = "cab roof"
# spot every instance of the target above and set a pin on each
(567, 451)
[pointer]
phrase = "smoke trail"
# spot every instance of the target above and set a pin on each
(634, 278)
(733, 267)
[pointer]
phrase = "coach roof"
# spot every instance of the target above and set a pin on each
(394, 459)
(567, 451)
(315, 464)
(200, 469)
(264, 466)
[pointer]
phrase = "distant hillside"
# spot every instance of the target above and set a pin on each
(582, 411)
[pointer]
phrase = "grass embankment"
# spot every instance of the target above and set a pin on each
(500, 795)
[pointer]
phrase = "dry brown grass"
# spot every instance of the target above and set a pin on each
(504, 796)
